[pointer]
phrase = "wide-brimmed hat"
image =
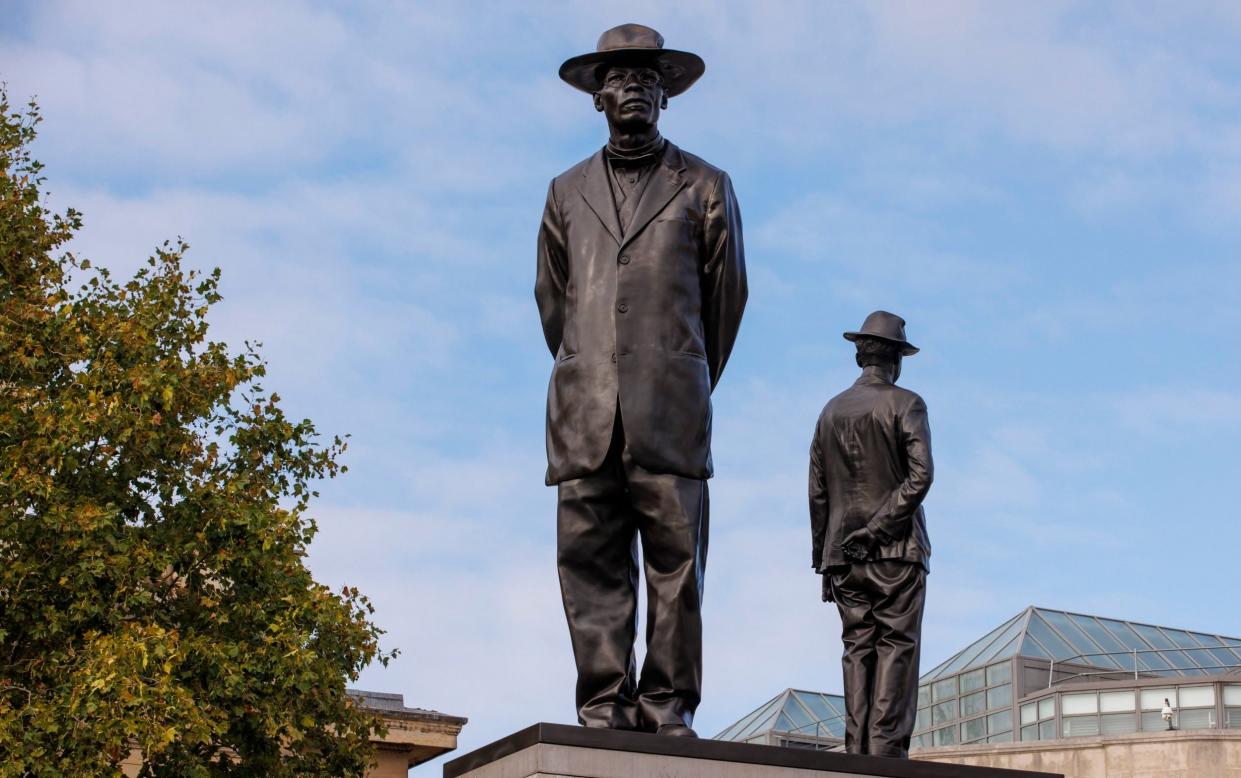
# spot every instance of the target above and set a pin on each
(884, 326)
(628, 44)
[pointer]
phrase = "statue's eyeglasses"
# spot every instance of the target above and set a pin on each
(618, 79)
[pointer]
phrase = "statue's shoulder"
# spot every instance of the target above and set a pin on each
(907, 397)
(574, 173)
(697, 165)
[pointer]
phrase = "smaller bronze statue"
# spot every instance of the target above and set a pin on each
(870, 469)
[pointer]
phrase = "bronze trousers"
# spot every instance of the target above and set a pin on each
(601, 518)
(880, 607)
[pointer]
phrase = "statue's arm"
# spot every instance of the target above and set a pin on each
(893, 518)
(552, 273)
(818, 503)
(724, 287)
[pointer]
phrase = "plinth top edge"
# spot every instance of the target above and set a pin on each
(717, 750)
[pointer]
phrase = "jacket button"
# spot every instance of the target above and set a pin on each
(624, 259)
(623, 308)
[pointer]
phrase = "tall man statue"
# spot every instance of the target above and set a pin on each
(870, 468)
(640, 286)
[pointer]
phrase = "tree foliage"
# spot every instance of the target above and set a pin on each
(153, 529)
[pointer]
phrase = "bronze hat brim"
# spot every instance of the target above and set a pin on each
(907, 349)
(680, 69)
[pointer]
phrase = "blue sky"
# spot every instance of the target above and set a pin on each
(1049, 193)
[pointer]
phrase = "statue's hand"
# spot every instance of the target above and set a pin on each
(827, 587)
(859, 544)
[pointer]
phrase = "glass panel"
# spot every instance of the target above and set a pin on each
(1159, 640)
(816, 704)
(1153, 722)
(971, 652)
(1031, 648)
(944, 711)
(922, 720)
(944, 689)
(1000, 722)
(946, 736)
(1029, 713)
(1001, 673)
(1201, 657)
(974, 729)
(921, 741)
(736, 729)
(974, 703)
(1197, 696)
(783, 724)
(1029, 733)
(1078, 639)
(1152, 699)
(1079, 726)
(1007, 650)
(801, 718)
(974, 679)
(1071, 704)
(1117, 723)
(1197, 718)
(1004, 646)
(835, 727)
(1114, 702)
(1232, 718)
(760, 723)
(1000, 696)
(1049, 639)
(924, 696)
(1046, 708)
(1006, 737)
(1232, 695)
(1100, 635)
(1222, 655)
(1124, 634)
(1179, 637)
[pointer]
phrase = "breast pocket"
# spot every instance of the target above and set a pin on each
(677, 237)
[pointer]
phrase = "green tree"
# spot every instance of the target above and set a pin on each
(153, 529)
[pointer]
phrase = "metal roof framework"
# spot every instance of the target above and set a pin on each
(794, 712)
(1109, 644)
(1038, 633)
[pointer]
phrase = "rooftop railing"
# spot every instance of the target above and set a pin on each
(1151, 672)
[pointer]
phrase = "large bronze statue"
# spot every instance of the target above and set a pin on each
(870, 468)
(640, 286)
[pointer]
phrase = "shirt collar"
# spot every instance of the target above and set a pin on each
(646, 154)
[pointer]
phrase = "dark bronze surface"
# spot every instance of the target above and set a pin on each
(640, 285)
(721, 751)
(870, 469)
(631, 43)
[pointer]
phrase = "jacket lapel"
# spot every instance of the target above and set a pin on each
(663, 186)
(597, 193)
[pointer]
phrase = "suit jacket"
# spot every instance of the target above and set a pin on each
(644, 320)
(870, 465)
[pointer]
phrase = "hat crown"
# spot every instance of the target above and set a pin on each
(630, 36)
(884, 325)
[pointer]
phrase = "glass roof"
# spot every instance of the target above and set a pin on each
(1108, 644)
(793, 711)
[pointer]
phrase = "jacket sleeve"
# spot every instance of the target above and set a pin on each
(724, 288)
(892, 520)
(552, 273)
(818, 503)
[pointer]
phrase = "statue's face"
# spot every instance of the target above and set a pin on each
(631, 97)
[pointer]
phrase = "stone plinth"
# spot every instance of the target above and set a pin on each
(559, 751)
(1200, 753)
